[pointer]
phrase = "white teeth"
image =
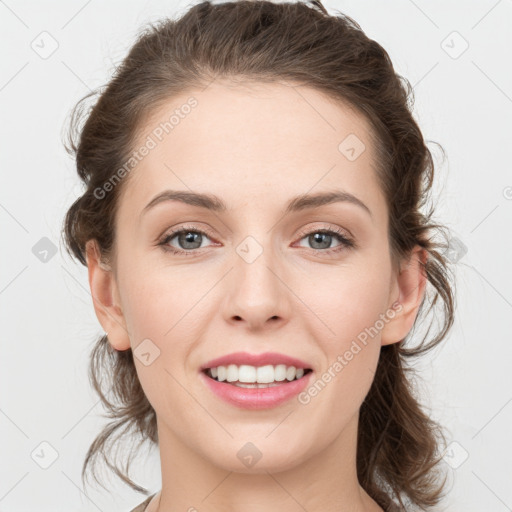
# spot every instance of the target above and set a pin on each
(221, 373)
(232, 373)
(280, 372)
(264, 374)
(248, 374)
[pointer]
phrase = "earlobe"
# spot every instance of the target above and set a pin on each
(103, 286)
(411, 282)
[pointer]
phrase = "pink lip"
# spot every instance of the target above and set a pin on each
(240, 358)
(262, 398)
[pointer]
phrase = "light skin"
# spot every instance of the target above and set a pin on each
(255, 146)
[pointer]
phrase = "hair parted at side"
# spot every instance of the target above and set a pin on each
(399, 447)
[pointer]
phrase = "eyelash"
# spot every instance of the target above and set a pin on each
(346, 243)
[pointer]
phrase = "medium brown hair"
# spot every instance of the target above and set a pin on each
(398, 448)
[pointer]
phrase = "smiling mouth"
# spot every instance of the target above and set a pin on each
(257, 385)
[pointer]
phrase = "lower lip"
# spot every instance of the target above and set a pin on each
(257, 398)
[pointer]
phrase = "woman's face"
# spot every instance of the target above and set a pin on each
(259, 280)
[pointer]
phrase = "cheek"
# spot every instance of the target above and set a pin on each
(163, 319)
(162, 309)
(346, 327)
(153, 302)
(345, 301)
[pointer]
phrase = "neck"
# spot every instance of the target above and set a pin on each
(326, 481)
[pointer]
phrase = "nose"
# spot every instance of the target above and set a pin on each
(258, 297)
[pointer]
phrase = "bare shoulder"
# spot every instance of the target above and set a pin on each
(142, 506)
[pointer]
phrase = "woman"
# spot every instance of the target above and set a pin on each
(258, 254)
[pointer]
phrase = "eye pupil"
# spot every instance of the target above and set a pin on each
(317, 237)
(188, 238)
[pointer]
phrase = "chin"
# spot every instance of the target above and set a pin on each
(252, 457)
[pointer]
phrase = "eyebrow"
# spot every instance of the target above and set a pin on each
(296, 204)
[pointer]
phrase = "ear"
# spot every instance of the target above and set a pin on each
(409, 284)
(106, 298)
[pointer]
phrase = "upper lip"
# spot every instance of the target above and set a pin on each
(240, 358)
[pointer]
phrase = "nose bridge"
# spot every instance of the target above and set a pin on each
(258, 293)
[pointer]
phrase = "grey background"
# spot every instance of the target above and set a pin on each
(463, 101)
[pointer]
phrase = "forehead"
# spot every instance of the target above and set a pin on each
(254, 142)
